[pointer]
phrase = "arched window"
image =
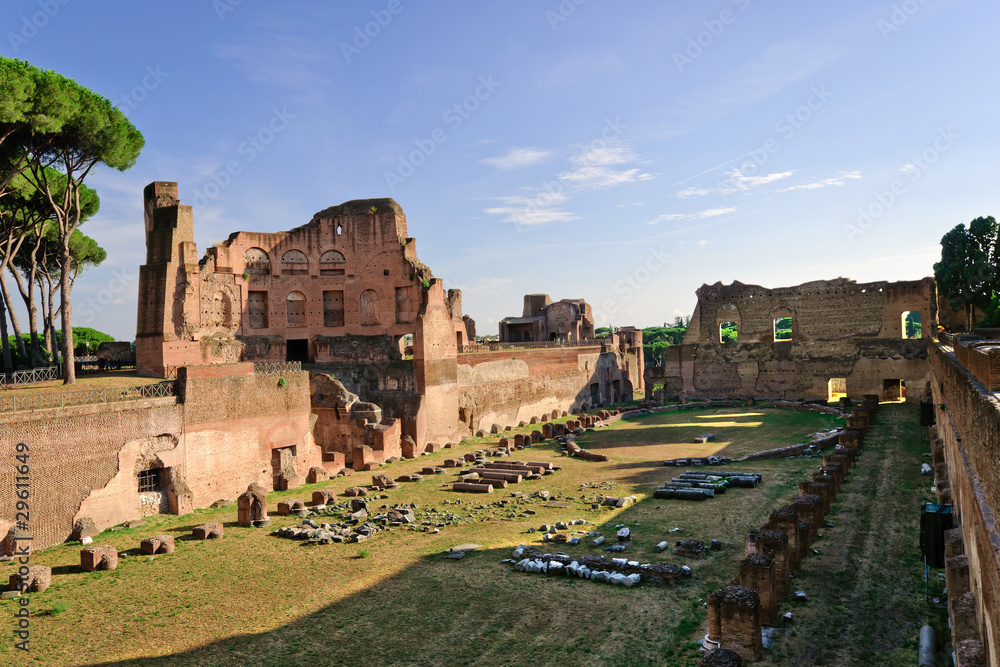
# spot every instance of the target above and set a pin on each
(256, 262)
(332, 263)
(294, 263)
(295, 305)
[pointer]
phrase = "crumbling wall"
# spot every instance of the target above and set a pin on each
(216, 438)
(840, 329)
(968, 421)
(508, 387)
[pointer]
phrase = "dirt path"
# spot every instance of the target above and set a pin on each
(866, 587)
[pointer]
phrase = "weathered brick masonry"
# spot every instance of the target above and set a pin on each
(841, 330)
(228, 427)
(968, 422)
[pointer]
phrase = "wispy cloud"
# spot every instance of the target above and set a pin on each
(743, 182)
(700, 215)
(840, 179)
(531, 211)
(594, 166)
(598, 166)
(516, 158)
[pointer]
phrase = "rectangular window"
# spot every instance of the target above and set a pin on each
(911, 324)
(728, 332)
(149, 481)
(333, 308)
(782, 328)
(257, 310)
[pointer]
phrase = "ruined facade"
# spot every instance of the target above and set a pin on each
(816, 340)
(350, 271)
(568, 321)
(346, 291)
(226, 427)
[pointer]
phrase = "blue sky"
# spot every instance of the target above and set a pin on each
(620, 152)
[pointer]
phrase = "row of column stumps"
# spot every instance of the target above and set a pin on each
(737, 613)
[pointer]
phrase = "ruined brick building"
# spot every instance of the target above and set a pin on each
(814, 340)
(344, 292)
(569, 320)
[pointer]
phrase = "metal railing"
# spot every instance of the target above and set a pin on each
(276, 366)
(528, 345)
(30, 376)
(36, 401)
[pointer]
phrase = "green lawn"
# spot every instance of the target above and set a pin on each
(254, 599)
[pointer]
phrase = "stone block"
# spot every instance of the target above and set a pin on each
(98, 557)
(324, 497)
(317, 474)
(38, 579)
(84, 527)
(208, 531)
(157, 544)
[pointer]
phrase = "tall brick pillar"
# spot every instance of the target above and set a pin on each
(169, 293)
(715, 615)
(435, 369)
(810, 509)
(774, 543)
(740, 610)
(787, 520)
(757, 573)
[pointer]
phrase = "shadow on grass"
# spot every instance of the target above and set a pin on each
(478, 610)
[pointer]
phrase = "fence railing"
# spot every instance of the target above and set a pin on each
(30, 376)
(276, 366)
(39, 400)
(528, 345)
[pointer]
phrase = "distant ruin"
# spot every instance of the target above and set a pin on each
(569, 320)
(836, 338)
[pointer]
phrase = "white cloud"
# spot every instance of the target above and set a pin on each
(840, 179)
(516, 158)
(908, 167)
(742, 182)
(597, 166)
(602, 177)
(700, 215)
(490, 286)
(603, 154)
(702, 242)
(694, 192)
(529, 211)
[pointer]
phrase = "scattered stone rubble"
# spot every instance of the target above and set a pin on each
(694, 485)
(486, 476)
(620, 571)
(774, 553)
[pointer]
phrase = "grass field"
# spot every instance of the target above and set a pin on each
(254, 599)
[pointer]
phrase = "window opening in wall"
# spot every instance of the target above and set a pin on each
(911, 324)
(728, 332)
(340, 229)
(332, 263)
(294, 263)
(836, 389)
(256, 262)
(149, 481)
(893, 390)
(257, 309)
(295, 309)
(333, 308)
(782, 328)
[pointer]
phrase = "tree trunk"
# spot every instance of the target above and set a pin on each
(69, 356)
(8, 362)
(28, 296)
(13, 318)
(51, 295)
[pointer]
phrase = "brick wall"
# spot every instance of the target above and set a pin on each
(968, 421)
(216, 438)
